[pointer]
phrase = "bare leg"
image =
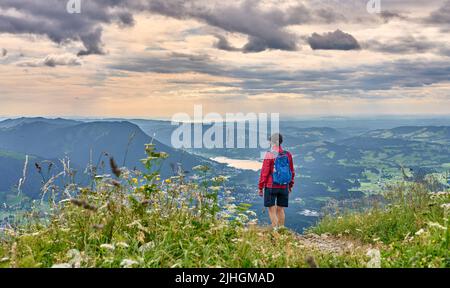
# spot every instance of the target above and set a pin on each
(273, 216)
(280, 216)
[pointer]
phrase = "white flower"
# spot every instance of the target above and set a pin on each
(375, 258)
(446, 206)
(230, 199)
(127, 263)
(75, 256)
(122, 245)
(62, 265)
(220, 178)
(253, 222)
(146, 247)
(420, 232)
(436, 225)
(107, 247)
(251, 213)
(231, 207)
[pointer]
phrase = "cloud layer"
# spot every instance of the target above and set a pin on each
(314, 52)
(266, 28)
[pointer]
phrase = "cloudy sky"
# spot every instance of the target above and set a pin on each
(154, 58)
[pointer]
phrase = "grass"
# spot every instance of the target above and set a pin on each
(413, 228)
(136, 219)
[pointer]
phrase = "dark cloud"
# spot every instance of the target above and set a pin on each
(265, 28)
(255, 44)
(441, 15)
(336, 40)
(3, 52)
(223, 44)
(391, 15)
(50, 18)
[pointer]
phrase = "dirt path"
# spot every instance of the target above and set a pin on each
(330, 244)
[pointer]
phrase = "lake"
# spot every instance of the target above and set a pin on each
(239, 163)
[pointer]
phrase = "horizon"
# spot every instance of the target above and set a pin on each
(282, 119)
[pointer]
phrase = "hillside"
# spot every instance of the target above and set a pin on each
(434, 134)
(11, 171)
(148, 222)
(83, 144)
(10, 123)
(332, 164)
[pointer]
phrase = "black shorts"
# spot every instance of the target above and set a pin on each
(276, 196)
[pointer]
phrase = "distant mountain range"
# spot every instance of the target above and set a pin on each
(82, 143)
(347, 161)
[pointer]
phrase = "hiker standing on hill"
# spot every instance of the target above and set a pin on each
(276, 180)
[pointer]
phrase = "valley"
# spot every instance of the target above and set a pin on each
(336, 160)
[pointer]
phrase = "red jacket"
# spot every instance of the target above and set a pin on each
(265, 179)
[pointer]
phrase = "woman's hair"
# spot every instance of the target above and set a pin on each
(276, 139)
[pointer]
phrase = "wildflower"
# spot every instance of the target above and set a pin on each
(446, 206)
(375, 258)
(134, 181)
(215, 188)
(83, 204)
(128, 263)
(436, 225)
(163, 155)
(146, 247)
(5, 259)
(75, 256)
(114, 168)
(251, 213)
(231, 207)
(253, 222)
(62, 265)
(420, 232)
(122, 245)
(201, 168)
(242, 218)
(220, 178)
(168, 181)
(107, 247)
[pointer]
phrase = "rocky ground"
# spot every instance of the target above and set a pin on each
(330, 244)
